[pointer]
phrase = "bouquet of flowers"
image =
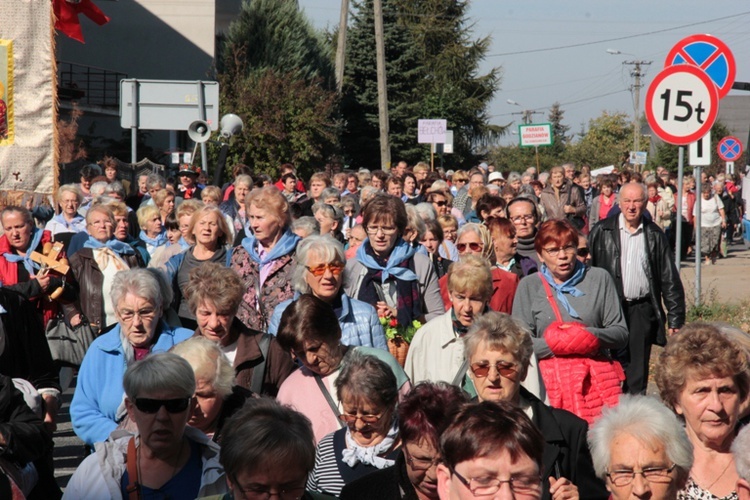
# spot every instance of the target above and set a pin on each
(399, 336)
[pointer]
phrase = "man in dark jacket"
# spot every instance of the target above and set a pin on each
(637, 255)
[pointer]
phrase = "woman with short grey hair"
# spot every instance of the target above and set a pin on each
(68, 221)
(641, 444)
(305, 226)
(330, 217)
(320, 264)
(139, 297)
(368, 393)
(164, 458)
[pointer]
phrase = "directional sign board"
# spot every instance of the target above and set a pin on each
(535, 134)
(681, 104)
(167, 104)
(729, 148)
(431, 131)
(700, 151)
(708, 53)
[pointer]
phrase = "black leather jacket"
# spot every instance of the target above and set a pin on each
(663, 277)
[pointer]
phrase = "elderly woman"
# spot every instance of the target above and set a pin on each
(320, 263)
(95, 267)
(309, 329)
(388, 273)
(574, 315)
(268, 450)
(368, 392)
(165, 459)
(436, 351)
(330, 218)
(487, 448)
(641, 450)
(216, 396)
(265, 260)
(214, 293)
(499, 352)
(152, 229)
(423, 416)
(703, 377)
(68, 222)
(164, 201)
(236, 208)
(210, 233)
(139, 297)
(504, 240)
(475, 239)
(712, 220)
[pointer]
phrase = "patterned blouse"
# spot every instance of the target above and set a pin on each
(694, 492)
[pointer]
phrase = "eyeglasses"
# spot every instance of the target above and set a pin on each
(147, 405)
(474, 246)
(522, 218)
(522, 484)
(583, 252)
(440, 203)
(367, 419)
(504, 368)
(144, 314)
(318, 271)
(652, 475)
(264, 492)
(422, 463)
(556, 251)
(372, 231)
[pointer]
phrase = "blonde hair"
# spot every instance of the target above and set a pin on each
(269, 198)
(208, 363)
(471, 275)
(146, 213)
(224, 237)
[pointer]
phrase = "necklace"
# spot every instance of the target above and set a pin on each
(731, 460)
(174, 467)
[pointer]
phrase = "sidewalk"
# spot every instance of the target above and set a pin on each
(728, 281)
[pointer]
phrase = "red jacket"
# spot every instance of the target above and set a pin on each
(504, 286)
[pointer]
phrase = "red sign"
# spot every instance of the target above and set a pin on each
(709, 54)
(682, 104)
(729, 148)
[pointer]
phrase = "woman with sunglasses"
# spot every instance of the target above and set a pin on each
(504, 240)
(575, 317)
(387, 272)
(320, 264)
(369, 441)
(140, 297)
(310, 331)
(165, 458)
(499, 352)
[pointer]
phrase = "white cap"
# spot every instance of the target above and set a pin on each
(495, 176)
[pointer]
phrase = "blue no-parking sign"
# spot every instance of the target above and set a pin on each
(709, 54)
(729, 148)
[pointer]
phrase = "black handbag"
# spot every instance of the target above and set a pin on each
(69, 344)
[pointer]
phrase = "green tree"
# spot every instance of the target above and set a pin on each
(560, 136)
(667, 154)
(607, 141)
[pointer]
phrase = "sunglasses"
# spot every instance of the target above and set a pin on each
(147, 405)
(440, 203)
(320, 270)
(583, 252)
(475, 247)
(507, 370)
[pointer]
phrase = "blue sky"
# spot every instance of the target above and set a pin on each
(586, 80)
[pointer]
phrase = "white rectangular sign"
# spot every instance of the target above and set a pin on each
(448, 146)
(431, 131)
(700, 151)
(536, 134)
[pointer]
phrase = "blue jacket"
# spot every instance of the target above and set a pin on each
(359, 322)
(99, 391)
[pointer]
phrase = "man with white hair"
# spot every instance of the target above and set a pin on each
(741, 453)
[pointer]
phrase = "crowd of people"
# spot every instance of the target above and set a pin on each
(411, 334)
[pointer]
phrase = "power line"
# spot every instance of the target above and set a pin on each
(567, 103)
(583, 44)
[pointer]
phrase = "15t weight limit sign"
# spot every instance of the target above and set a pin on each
(681, 104)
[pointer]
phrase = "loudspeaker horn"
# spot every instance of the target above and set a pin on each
(230, 125)
(199, 131)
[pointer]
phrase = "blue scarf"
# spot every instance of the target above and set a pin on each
(401, 251)
(568, 287)
(30, 265)
(286, 245)
(183, 244)
(161, 239)
(119, 247)
(74, 224)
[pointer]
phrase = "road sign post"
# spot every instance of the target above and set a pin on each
(700, 151)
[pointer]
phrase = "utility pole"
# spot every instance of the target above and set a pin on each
(341, 47)
(526, 114)
(385, 149)
(636, 89)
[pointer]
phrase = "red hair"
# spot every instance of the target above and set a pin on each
(558, 232)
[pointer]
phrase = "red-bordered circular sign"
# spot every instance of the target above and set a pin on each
(729, 148)
(709, 54)
(682, 104)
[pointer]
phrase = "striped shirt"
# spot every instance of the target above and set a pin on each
(633, 261)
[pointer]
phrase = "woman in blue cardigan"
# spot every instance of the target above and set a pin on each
(140, 297)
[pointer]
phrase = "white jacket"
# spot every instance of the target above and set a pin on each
(99, 475)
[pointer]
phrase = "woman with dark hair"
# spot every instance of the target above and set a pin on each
(423, 416)
(433, 242)
(575, 316)
(388, 273)
(410, 188)
(310, 331)
(489, 205)
(602, 204)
